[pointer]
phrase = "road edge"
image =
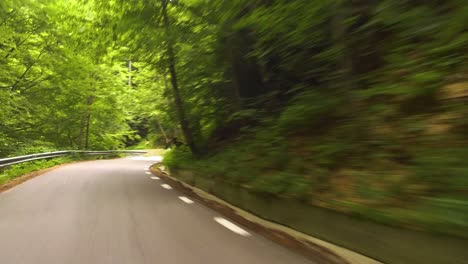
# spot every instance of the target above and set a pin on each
(31, 175)
(311, 247)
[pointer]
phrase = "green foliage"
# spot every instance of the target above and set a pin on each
(444, 169)
(443, 210)
(21, 169)
(58, 90)
(305, 98)
(178, 156)
(274, 183)
(306, 111)
(282, 183)
(243, 115)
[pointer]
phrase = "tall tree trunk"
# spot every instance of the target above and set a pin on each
(339, 33)
(10, 15)
(162, 131)
(70, 139)
(14, 86)
(88, 120)
(130, 73)
(175, 88)
(82, 131)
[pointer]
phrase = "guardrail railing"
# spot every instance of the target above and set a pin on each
(48, 155)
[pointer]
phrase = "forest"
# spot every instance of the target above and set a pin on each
(357, 106)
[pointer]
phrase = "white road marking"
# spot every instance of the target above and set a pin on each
(149, 173)
(234, 228)
(155, 178)
(166, 186)
(186, 200)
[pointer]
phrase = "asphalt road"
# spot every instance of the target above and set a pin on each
(112, 211)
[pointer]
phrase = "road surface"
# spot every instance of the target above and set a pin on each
(112, 212)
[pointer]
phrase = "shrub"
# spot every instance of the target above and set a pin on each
(178, 156)
(306, 110)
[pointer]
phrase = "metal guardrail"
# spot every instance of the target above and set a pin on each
(47, 155)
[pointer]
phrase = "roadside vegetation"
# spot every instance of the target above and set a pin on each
(14, 171)
(357, 107)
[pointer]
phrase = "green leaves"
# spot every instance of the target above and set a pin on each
(53, 60)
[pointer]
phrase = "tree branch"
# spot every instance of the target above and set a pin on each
(10, 14)
(13, 87)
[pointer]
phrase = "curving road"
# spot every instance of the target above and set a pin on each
(112, 211)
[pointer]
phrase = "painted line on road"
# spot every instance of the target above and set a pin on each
(166, 186)
(148, 172)
(234, 228)
(155, 178)
(186, 200)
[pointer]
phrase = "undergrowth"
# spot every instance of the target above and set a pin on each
(378, 162)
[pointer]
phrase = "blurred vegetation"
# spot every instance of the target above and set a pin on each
(357, 106)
